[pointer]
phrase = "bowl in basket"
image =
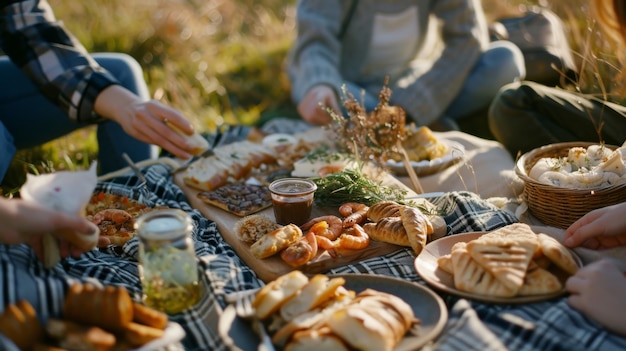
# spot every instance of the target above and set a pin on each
(558, 206)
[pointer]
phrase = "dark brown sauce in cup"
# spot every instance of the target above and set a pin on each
(292, 199)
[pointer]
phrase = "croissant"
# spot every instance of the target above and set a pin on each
(389, 230)
(384, 209)
(418, 227)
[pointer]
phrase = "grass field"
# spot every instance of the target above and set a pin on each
(215, 60)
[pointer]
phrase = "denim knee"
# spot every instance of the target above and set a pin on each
(505, 60)
(126, 70)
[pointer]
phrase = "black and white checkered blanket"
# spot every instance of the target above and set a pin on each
(549, 325)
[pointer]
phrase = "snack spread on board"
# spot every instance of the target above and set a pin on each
(320, 313)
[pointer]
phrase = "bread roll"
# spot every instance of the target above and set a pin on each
(316, 340)
(138, 334)
(273, 295)
(275, 241)
(145, 315)
(318, 290)
(110, 308)
(78, 337)
(19, 323)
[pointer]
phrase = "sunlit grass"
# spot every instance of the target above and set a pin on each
(221, 61)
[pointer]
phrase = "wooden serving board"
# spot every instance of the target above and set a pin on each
(270, 268)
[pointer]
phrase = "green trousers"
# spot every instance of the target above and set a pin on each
(527, 115)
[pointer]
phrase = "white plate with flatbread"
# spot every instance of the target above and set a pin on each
(427, 306)
(427, 267)
(455, 153)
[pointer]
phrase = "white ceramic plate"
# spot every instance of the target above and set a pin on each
(455, 153)
(427, 306)
(427, 268)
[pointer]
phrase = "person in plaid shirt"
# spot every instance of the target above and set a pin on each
(52, 86)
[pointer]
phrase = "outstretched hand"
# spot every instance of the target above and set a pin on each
(599, 229)
(597, 290)
(310, 108)
(146, 121)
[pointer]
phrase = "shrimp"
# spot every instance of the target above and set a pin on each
(300, 252)
(115, 216)
(327, 226)
(355, 238)
(354, 213)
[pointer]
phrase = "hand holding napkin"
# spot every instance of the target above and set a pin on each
(66, 191)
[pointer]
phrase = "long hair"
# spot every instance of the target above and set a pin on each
(611, 17)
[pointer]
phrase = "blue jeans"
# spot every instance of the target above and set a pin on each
(502, 63)
(28, 119)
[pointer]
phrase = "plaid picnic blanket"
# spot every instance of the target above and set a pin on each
(549, 325)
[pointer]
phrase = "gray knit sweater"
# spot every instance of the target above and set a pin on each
(319, 56)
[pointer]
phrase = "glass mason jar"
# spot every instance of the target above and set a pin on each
(168, 268)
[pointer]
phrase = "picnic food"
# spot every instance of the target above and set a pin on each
(93, 318)
(195, 140)
(19, 323)
(251, 228)
(510, 261)
(421, 144)
(275, 241)
(115, 215)
(399, 225)
(229, 163)
(240, 199)
(320, 312)
(583, 168)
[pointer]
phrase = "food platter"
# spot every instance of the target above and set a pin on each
(238, 335)
(427, 267)
(455, 153)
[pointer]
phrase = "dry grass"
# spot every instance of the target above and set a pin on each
(222, 60)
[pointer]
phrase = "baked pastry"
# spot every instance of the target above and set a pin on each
(318, 290)
(112, 305)
(148, 316)
(316, 340)
(251, 228)
(505, 253)
(272, 296)
(539, 281)
(196, 141)
(275, 241)
(19, 323)
(383, 209)
(557, 253)
(138, 334)
(74, 336)
(418, 227)
(389, 230)
(471, 277)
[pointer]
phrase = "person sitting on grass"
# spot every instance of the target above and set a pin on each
(52, 86)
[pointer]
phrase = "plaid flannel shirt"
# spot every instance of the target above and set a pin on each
(52, 57)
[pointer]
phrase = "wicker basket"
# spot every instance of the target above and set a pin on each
(560, 207)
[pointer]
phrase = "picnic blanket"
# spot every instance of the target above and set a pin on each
(549, 325)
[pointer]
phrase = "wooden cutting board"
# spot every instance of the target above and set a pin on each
(270, 268)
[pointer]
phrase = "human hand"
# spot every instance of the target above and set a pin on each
(310, 109)
(27, 222)
(597, 290)
(599, 229)
(148, 121)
